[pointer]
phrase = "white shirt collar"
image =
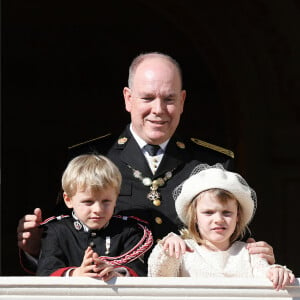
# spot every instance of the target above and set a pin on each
(142, 143)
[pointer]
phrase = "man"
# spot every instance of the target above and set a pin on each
(155, 100)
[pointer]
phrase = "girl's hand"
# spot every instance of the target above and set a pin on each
(280, 277)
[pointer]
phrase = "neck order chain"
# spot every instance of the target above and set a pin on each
(153, 195)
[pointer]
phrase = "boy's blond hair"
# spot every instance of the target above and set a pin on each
(90, 171)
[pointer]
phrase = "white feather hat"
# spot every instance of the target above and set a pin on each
(206, 177)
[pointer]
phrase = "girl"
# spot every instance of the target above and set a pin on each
(216, 207)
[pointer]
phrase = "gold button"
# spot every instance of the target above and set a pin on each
(156, 202)
(158, 220)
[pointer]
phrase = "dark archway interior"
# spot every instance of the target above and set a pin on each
(64, 67)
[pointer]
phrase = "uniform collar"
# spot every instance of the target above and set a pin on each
(130, 155)
(78, 224)
(142, 143)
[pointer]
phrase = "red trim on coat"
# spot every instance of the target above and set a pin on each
(60, 272)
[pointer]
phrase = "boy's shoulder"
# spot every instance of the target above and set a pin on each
(116, 222)
(128, 221)
(129, 225)
(54, 219)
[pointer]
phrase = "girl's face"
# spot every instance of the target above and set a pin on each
(93, 209)
(216, 220)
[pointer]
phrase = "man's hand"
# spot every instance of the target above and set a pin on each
(262, 248)
(175, 245)
(29, 234)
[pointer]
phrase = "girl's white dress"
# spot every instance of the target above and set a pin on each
(234, 262)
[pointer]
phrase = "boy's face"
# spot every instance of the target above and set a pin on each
(93, 209)
(216, 220)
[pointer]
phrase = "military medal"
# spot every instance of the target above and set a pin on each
(107, 244)
(154, 196)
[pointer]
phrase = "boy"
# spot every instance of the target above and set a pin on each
(92, 242)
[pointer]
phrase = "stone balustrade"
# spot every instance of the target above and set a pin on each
(142, 288)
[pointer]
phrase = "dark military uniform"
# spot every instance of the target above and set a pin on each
(180, 157)
(122, 243)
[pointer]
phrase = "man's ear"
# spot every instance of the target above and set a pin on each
(127, 98)
(68, 200)
(182, 101)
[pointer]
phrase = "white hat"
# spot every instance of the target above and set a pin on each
(206, 177)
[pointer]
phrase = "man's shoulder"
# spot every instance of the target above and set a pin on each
(98, 145)
(196, 150)
(199, 145)
(103, 139)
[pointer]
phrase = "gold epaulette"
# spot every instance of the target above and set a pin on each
(213, 147)
(92, 140)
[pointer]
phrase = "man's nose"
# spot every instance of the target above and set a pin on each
(158, 106)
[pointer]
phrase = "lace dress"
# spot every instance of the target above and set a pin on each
(234, 262)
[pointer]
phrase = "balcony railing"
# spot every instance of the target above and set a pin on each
(142, 288)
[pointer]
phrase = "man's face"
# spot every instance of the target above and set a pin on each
(155, 100)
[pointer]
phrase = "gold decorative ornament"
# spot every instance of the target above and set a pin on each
(158, 220)
(154, 196)
(213, 147)
(180, 145)
(122, 141)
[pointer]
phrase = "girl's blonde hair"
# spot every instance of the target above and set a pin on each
(90, 171)
(192, 231)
